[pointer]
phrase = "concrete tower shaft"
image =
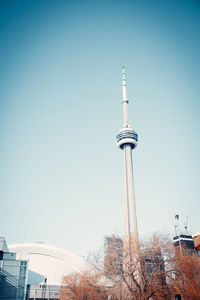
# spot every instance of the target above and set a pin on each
(127, 140)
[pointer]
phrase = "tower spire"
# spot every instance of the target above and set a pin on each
(127, 141)
(125, 101)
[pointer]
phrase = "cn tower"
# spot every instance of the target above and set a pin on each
(127, 140)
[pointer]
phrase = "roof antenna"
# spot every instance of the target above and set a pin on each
(186, 224)
(176, 224)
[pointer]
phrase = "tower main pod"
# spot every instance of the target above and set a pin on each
(127, 140)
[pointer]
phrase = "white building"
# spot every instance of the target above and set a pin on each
(48, 262)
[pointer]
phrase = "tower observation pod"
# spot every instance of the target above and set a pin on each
(127, 140)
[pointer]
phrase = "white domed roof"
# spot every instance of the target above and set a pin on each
(51, 262)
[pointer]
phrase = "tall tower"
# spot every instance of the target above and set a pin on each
(127, 141)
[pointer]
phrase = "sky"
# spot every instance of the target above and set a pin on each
(61, 173)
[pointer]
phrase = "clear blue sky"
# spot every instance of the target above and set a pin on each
(61, 173)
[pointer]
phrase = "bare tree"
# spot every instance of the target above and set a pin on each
(138, 276)
(157, 272)
(82, 286)
(186, 280)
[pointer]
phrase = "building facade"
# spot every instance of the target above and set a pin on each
(184, 243)
(13, 274)
(42, 292)
(196, 239)
(113, 255)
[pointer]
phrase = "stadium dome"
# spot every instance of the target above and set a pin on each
(47, 261)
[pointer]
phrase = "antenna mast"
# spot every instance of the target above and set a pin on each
(186, 224)
(176, 224)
